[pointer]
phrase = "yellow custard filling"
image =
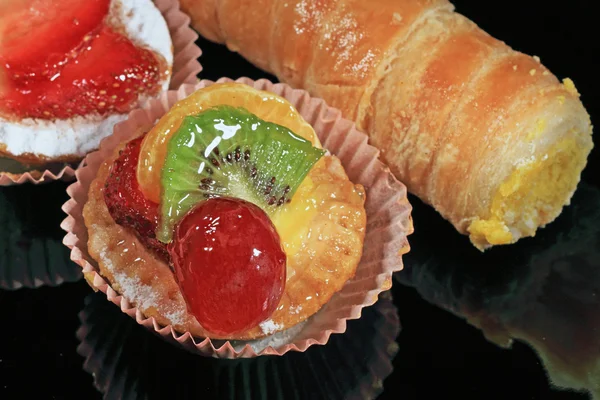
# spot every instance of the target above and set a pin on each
(294, 220)
(531, 196)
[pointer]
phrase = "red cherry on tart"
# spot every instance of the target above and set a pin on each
(229, 264)
(71, 62)
(126, 203)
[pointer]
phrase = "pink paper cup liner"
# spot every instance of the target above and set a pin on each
(185, 70)
(388, 224)
(40, 175)
(127, 363)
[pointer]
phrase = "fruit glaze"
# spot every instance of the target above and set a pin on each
(77, 62)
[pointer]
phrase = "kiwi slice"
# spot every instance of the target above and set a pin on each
(228, 151)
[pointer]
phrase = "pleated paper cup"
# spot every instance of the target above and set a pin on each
(185, 70)
(388, 224)
(31, 249)
(127, 363)
(36, 175)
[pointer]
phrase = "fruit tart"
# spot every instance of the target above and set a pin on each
(226, 219)
(71, 69)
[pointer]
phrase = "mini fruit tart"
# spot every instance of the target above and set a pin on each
(71, 69)
(128, 265)
(226, 219)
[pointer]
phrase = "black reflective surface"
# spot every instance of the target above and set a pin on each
(127, 361)
(31, 249)
(503, 325)
(543, 292)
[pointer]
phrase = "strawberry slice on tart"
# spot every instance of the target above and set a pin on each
(70, 70)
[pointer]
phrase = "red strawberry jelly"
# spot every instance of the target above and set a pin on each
(229, 264)
(60, 59)
(127, 205)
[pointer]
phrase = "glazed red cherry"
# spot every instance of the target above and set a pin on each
(229, 264)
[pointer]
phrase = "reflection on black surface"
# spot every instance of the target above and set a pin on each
(15, 167)
(544, 291)
(31, 249)
(130, 363)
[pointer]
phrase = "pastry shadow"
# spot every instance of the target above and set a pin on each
(542, 291)
(127, 362)
(31, 249)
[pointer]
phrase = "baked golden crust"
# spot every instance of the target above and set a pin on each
(454, 111)
(36, 159)
(317, 267)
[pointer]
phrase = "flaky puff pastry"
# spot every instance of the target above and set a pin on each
(322, 232)
(485, 134)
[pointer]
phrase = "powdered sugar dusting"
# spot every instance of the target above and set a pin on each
(343, 39)
(277, 340)
(304, 16)
(79, 135)
(363, 65)
(177, 317)
(144, 296)
(350, 36)
(105, 260)
(295, 310)
(307, 14)
(269, 327)
(135, 291)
